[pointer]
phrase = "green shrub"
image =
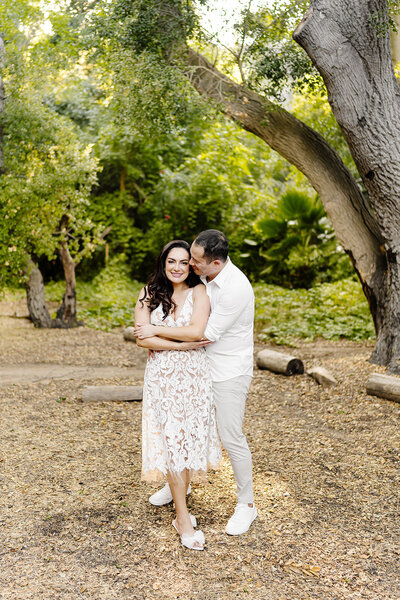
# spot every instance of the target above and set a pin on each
(107, 301)
(330, 310)
(296, 244)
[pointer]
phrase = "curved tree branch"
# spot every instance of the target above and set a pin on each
(308, 151)
(349, 43)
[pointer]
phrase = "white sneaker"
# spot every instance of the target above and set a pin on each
(241, 519)
(164, 496)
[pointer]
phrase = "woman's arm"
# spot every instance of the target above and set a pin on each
(142, 318)
(188, 333)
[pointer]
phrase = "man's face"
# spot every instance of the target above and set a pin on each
(200, 263)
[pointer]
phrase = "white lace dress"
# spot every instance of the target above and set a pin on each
(178, 420)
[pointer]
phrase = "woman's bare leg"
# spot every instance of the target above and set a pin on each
(179, 488)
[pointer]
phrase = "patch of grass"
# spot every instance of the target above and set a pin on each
(12, 294)
(330, 310)
(107, 301)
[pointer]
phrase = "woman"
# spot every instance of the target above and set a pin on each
(179, 430)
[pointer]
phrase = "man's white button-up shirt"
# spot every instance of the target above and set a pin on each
(230, 326)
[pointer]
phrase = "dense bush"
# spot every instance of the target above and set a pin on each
(331, 311)
(294, 245)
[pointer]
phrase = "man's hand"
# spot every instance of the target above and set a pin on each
(144, 331)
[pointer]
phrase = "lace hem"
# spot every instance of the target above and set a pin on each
(156, 476)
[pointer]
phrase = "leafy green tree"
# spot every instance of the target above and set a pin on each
(47, 175)
(161, 175)
(355, 74)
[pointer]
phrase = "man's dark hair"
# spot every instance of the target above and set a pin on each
(215, 244)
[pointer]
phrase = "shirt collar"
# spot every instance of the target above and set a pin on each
(222, 276)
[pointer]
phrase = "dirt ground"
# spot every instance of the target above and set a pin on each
(75, 523)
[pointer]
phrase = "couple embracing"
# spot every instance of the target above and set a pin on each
(196, 317)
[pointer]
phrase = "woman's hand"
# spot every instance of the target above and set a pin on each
(144, 331)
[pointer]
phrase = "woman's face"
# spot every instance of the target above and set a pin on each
(177, 265)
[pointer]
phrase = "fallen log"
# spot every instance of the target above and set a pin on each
(384, 386)
(112, 393)
(322, 376)
(279, 362)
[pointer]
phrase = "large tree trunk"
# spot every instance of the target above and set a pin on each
(356, 65)
(343, 201)
(38, 312)
(355, 61)
(66, 314)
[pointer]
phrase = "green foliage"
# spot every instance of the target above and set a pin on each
(222, 187)
(297, 243)
(149, 91)
(47, 174)
(263, 50)
(152, 25)
(154, 96)
(312, 107)
(107, 301)
(331, 311)
(133, 166)
(273, 60)
(48, 171)
(104, 94)
(165, 172)
(384, 20)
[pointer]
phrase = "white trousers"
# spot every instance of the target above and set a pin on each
(230, 401)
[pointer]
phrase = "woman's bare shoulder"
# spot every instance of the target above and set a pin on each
(142, 295)
(199, 291)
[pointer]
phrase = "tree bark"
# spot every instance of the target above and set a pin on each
(340, 195)
(38, 312)
(355, 62)
(66, 314)
(279, 362)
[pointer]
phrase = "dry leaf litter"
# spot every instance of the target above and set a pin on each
(75, 521)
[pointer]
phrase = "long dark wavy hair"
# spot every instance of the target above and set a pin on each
(159, 289)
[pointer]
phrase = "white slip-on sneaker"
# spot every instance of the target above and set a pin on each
(241, 519)
(164, 496)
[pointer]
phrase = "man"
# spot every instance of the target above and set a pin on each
(230, 329)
